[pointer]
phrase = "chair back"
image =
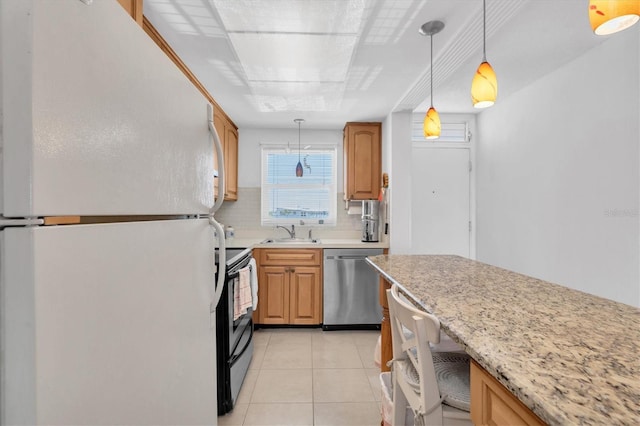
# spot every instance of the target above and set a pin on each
(414, 346)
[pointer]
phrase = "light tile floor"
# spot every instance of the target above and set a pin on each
(310, 377)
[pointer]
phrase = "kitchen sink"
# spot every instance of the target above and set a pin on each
(291, 241)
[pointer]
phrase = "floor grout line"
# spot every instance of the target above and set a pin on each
(315, 344)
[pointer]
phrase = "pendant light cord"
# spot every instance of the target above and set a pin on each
(298, 141)
(484, 31)
(431, 69)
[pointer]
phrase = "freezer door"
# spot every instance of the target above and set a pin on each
(97, 119)
(108, 324)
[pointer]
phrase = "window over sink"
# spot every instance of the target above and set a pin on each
(288, 199)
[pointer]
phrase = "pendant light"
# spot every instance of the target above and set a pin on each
(484, 87)
(299, 170)
(610, 16)
(431, 125)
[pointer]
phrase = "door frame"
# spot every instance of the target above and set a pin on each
(472, 184)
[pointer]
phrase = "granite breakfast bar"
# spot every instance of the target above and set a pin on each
(569, 357)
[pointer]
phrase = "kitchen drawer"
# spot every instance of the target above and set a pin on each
(290, 257)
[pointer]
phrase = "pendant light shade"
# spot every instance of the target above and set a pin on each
(484, 87)
(431, 124)
(610, 16)
(299, 169)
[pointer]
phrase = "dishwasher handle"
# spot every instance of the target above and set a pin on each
(346, 257)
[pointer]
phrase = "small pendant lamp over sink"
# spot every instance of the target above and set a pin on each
(431, 125)
(299, 170)
(484, 87)
(610, 16)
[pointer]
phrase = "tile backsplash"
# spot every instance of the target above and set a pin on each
(244, 216)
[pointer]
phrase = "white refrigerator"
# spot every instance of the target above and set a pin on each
(108, 322)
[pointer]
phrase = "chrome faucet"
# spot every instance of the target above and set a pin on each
(292, 233)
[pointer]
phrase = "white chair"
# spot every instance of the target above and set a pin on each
(446, 344)
(434, 384)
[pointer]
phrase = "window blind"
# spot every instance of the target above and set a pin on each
(288, 199)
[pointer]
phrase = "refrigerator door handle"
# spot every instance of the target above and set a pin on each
(220, 155)
(216, 293)
(6, 222)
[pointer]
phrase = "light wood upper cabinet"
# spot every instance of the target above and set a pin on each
(228, 134)
(231, 163)
(362, 160)
(289, 287)
(133, 8)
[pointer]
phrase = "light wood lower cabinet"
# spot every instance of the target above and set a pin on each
(273, 295)
(305, 295)
(289, 287)
(493, 404)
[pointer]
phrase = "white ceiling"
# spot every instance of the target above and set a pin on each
(267, 62)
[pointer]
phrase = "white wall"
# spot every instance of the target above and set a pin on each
(399, 126)
(558, 176)
(387, 136)
(244, 214)
(249, 148)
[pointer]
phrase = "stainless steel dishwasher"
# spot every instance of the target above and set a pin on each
(350, 290)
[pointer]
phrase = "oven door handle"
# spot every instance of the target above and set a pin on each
(246, 346)
(216, 290)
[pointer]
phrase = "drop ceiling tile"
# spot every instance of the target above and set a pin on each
(291, 16)
(274, 88)
(328, 102)
(294, 57)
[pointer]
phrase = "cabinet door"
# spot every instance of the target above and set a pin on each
(218, 123)
(273, 297)
(493, 404)
(306, 295)
(229, 138)
(231, 163)
(363, 160)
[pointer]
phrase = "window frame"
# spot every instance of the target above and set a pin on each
(265, 190)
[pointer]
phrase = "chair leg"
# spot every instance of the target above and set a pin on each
(399, 404)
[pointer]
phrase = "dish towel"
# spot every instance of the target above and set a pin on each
(254, 282)
(242, 293)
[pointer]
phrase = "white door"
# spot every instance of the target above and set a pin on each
(440, 213)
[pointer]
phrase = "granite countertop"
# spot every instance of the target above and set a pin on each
(571, 357)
